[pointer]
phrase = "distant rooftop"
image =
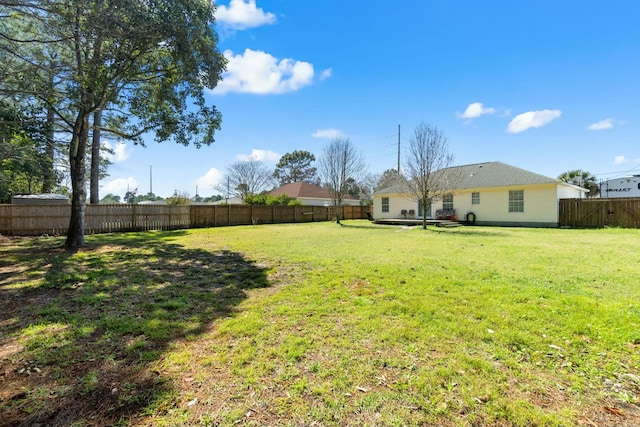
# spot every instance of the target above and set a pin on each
(304, 190)
(41, 196)
(39, 199)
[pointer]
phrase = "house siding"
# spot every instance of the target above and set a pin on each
(310, 201)
(397, 203)
(492, 181)
(540, 205)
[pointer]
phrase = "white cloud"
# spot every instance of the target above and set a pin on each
(601, 125)
(532, 119)
(120, 151)
(260, 156)
(475, 110)
(212, 178)
(258, 72)
(240, 15)
(326, 73)
(120, 186)
(620, 160)
(328, 134)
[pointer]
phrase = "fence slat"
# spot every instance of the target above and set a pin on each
(35, 220)
(594, 213)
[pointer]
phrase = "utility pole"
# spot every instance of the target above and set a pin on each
(150, 180)
(398, 149)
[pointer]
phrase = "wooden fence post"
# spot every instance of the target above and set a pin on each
(134, 219)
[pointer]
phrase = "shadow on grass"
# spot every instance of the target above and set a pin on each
(362, 224)
(81, 332)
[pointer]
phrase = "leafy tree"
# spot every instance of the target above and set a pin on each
(110, 199)
(23, 159)
(269, 200)
(134, 197)
(339, 165)
(179, 199)
(360, 190)
(28, 77)
(246, 178)
(61, 189)
(148, 197)
(211, 199)
(429, 175)
(582, 179)
(149, 62)
(130, 196)
(389, 178)
(21, 167)
(296, 167)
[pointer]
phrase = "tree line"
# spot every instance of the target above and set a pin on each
(84, 68)
(75, 72)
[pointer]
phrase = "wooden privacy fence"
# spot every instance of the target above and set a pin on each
(591, 213)
(35, 220)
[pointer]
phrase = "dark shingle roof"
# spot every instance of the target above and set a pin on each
(489, 174)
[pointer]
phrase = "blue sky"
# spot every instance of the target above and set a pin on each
(547, 86)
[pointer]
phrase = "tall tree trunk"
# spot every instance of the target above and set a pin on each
(77, 152)
(50, 174)
(424, 214)
(94, 196)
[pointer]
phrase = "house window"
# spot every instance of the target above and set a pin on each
(475, 198)
(385, 204)
(516, 201)
(447, 202)
(420, 213)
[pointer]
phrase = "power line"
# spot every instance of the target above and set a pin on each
(619, 172)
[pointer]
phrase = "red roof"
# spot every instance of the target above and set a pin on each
(304, 190)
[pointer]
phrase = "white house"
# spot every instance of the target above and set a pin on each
(310, 194)
(490, 193)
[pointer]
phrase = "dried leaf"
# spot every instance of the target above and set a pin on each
(614, 411)
(482, 399)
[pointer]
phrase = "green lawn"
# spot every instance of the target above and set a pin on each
(301, 323)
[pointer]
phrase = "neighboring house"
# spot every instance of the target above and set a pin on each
(153, 202)
(40, 199)
(310, 194)
(490, 193)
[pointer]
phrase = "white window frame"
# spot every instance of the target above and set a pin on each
(385, 205)
(516, 201)
(447, 202)
(475, 198)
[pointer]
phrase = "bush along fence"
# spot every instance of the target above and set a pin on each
(35, 220)
(594, 213)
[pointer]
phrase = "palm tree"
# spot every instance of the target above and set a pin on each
(582, 179)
